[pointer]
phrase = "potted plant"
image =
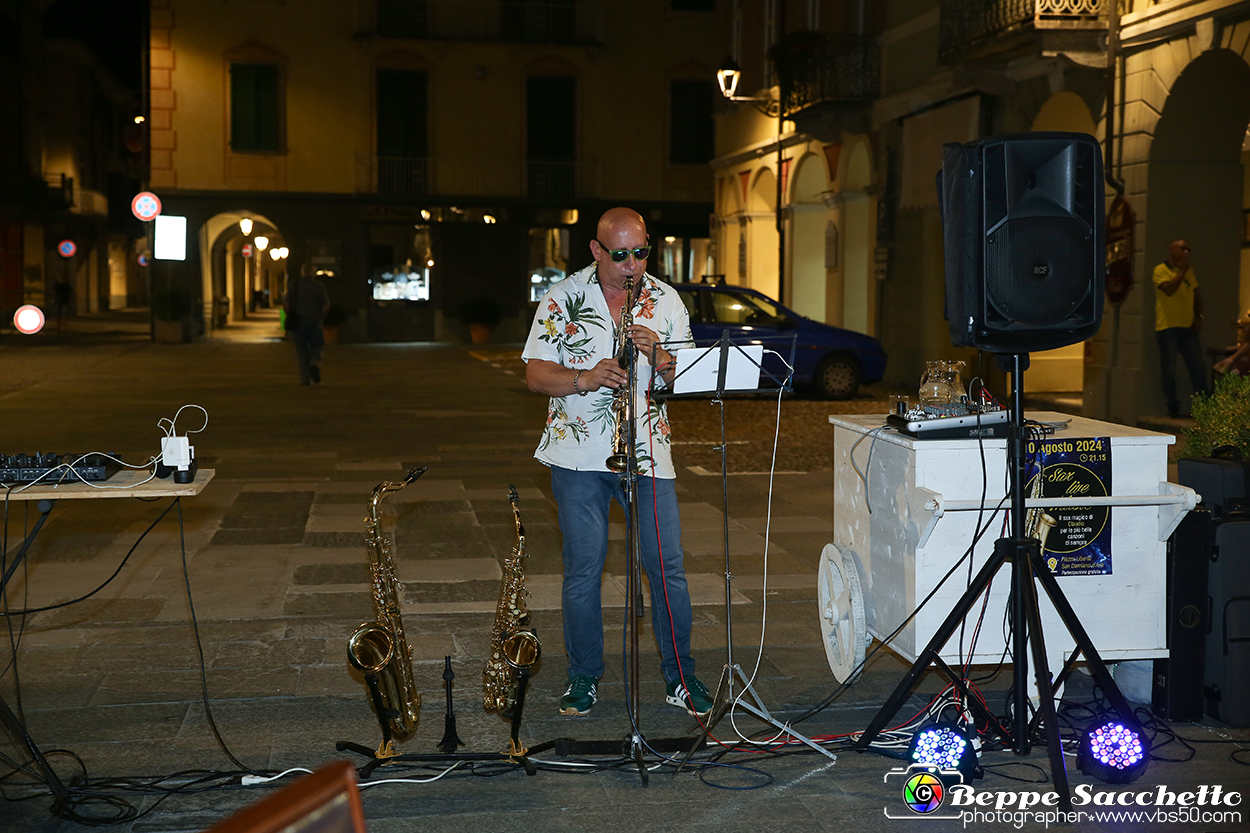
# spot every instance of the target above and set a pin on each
(170, 306)
(335, 316)
(482, 315)
(1221, 420)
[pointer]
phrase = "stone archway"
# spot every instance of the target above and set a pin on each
(235, 286)
(762, 237)
(1195, 180)
(859, 297)
(808, 277)
(1062, 369)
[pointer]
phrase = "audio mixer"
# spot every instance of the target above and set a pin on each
(50, 468)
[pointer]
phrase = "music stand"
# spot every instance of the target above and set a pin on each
(731, 672)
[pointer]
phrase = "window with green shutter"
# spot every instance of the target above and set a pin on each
(255, 108)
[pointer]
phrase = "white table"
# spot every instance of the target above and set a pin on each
(924, 495)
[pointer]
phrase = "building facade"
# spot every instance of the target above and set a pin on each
(430, 157)
(70, 159)
(959, 70)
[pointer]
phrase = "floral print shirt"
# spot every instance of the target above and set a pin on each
(574, 328)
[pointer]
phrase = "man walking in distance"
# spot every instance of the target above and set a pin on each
(1178, 320)
(571, 357)
(306, 305)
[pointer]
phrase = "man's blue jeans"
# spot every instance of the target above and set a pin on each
(1183, 341)
(584, 498)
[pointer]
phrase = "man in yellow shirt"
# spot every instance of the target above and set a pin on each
(1178, 320)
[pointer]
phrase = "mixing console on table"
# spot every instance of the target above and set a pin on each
(49, 468)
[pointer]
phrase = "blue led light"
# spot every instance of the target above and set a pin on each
(941, 746)
(1113, 752)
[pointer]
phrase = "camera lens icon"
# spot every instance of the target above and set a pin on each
(923, 792)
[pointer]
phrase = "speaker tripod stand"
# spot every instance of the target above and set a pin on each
(1027, 567)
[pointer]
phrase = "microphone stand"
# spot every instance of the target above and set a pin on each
(633, 560)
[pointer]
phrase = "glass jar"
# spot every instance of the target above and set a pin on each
(941, 383)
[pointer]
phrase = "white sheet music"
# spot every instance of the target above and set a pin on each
(697, 368)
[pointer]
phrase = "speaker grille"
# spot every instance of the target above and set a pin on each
(1038, 270)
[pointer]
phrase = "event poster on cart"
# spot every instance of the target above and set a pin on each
(1078, 542)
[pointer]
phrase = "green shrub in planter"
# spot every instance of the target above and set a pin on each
(1221, 419)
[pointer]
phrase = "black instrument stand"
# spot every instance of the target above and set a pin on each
(37, 766)
(385, 753)
(1027, 565)
(732, 675)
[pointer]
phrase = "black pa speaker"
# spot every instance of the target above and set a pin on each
(1176, 687)
(1023, 232)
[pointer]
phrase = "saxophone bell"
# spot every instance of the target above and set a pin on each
(521, 649)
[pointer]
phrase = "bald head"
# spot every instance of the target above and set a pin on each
(1178, 252)
(617, 220)
(619, 229)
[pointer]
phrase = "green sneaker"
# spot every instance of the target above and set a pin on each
(693, 696)
(580, 695)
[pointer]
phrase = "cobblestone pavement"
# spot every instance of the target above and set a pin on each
(274, 580)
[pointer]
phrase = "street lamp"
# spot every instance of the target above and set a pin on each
(727, 78)
(245, 226)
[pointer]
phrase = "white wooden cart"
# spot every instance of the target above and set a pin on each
(901, 526)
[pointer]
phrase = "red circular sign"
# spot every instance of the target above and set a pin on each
(144, 259)
(28, 319)
(67, 248)
(146, 205)
(247, 249)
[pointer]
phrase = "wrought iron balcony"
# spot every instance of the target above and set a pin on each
(403, 175)
(816, 69)
(971, 28)
(521, 21)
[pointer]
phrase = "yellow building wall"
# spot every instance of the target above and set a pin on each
(476, 97)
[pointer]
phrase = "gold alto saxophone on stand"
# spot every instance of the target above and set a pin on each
(513, 644)
(379, 648)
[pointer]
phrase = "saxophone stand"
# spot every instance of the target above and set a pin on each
(1027, 566)
(386, 754)
(732, 673)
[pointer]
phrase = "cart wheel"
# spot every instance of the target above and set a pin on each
(842, 621)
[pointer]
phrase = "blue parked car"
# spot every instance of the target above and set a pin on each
(832, 360)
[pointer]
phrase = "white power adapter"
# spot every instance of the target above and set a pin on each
(177, 452)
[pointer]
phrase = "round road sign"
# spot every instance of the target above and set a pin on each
(28, 319)
(66, 248)
(145, 205)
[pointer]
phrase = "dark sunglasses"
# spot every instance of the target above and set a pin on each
(619, 255)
